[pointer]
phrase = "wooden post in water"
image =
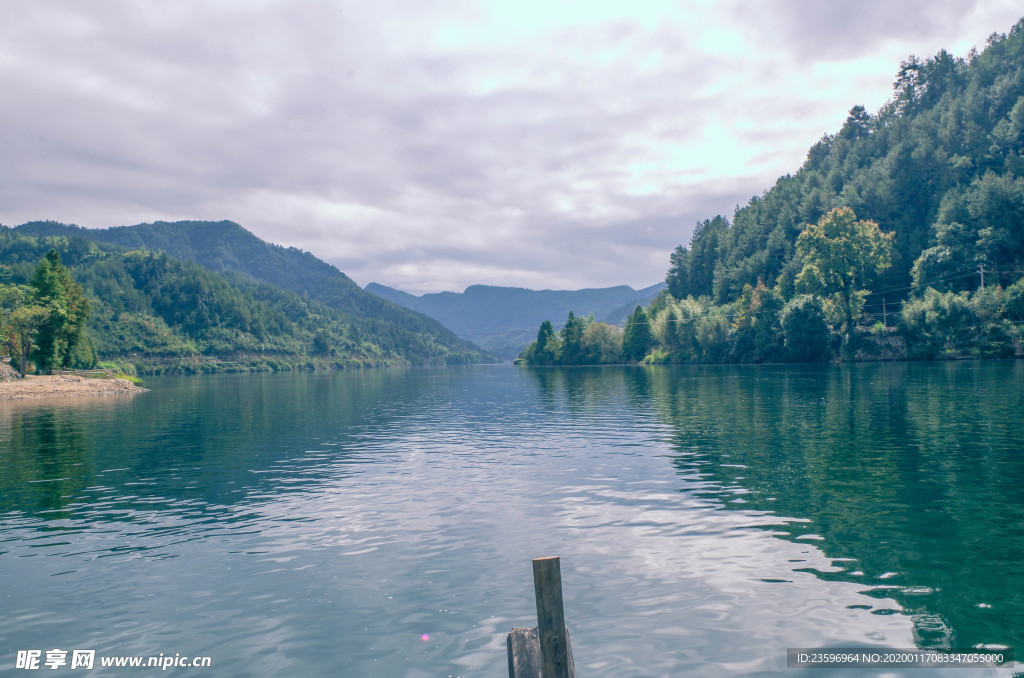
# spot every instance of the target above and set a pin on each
(544, 651)
(547, 587)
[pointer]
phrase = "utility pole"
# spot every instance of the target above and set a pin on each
(983, 277)
(884, 323)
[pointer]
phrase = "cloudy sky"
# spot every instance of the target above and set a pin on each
(431, 145)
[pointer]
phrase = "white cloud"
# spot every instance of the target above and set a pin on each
(436, 145)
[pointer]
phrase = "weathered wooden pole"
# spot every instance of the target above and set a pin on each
(544, 651)
(547, 586)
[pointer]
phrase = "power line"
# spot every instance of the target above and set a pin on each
(964, 273)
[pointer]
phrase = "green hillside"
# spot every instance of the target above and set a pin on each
(941, 166)
(901, 236)
(157, 312)
(225, 246)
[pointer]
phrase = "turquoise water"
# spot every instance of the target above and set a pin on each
(381, 523)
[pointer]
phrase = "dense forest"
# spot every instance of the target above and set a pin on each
(901, 236)
(227, 248)
(150, 312)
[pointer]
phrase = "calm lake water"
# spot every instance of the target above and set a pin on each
(382, 523)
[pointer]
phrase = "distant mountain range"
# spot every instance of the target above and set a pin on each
(374, 330)
(504, 320)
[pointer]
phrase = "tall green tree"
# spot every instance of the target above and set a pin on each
(545, 350)
(602, 344)
(705, 250)
(24, 323)
(20, 318)
(572, 340)
(637, 337)
(840, 256)
(63, 329)
(678, 276)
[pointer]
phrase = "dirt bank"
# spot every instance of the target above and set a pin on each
(35, 386)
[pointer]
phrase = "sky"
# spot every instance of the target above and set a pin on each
(431, 145)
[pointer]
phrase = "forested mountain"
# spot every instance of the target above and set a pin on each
(941, 166)
(154, 310)
(902, 235)
(225, 246)
(502, 319)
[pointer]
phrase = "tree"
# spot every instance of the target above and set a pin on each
(1014, 300)
(941, 266)
(11, 297)
(572, 340)
(743, 325)
(602, 344)
(543, 351)
(765, 308)
(804, 328)
(24, 323)
(705, 251)
(637, 338)
(675, 329)
(678, 276)
(21, 316)
(857, 124)
(322, 343)
(63, 328)
(841, 255)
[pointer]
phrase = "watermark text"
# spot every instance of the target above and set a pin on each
(87, 659)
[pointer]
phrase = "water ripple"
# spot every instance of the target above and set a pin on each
(382, 523)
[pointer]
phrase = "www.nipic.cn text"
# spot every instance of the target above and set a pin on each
(87, 659)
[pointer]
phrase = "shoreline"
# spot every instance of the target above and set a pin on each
(44, 386)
